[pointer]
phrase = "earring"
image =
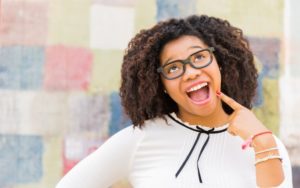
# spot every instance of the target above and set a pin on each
(165, 91)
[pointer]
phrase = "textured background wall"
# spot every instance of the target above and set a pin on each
(60, 71)
(290, 86)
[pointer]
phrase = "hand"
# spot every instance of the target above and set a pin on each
(242, 121)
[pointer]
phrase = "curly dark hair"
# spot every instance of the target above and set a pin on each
(141, 88)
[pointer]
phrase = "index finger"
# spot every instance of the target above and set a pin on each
(228, 100)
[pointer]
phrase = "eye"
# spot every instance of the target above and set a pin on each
(198, 57)
(172, 68)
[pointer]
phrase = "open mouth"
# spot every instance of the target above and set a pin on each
(199, 93)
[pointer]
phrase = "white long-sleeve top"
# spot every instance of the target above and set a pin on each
(150, 157)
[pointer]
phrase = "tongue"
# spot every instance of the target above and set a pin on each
(199, 95)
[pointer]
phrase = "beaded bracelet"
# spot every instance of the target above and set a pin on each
(269, 157)
(266, 150)
(249, 141)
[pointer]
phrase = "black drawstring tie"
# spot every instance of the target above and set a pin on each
(200, 131)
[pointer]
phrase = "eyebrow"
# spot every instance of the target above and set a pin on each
(191, 47)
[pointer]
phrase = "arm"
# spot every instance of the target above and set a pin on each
(286, 165)
(273, 172)
(105, 166)
(242, 122)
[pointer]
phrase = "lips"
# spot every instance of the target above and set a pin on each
(199, 93)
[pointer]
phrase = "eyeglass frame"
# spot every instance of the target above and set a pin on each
(187, 61)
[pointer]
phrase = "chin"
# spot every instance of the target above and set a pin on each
(204, 111)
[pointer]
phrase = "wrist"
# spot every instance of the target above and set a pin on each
(250, 141)
(263, 142)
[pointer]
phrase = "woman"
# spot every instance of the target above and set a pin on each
(187, 85)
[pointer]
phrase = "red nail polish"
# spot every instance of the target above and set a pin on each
(218, 93)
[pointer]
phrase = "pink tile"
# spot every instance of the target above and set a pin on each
(67, 68)
(76, 148)
(23, 22)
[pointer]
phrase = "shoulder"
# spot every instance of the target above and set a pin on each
(132, 134)
(158, 126)
(128, 137)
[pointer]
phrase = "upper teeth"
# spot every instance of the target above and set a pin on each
(199, 86)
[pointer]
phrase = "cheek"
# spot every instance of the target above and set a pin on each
(216, 75)
(169, 86)
(172, 87)
(219, 77)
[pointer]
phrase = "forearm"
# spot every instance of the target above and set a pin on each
(269, 173)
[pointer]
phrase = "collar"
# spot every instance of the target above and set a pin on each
(200, 129)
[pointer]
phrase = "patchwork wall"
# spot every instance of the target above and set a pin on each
(60, 72)
(290, 87)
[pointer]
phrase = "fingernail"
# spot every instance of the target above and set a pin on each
(218, 93)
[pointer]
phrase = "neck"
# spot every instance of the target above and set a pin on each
(218, 118)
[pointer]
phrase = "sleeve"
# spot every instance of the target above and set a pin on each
(108, 164)
(286, 165)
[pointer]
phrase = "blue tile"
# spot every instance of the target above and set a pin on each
(174, 8)
(20, 159)
(118, 119)
(267, 51)
(21, 67)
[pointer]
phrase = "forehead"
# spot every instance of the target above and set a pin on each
(181, 47)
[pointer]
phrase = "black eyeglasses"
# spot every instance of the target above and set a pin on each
(197, 60)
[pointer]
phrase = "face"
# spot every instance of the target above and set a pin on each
(194, 91)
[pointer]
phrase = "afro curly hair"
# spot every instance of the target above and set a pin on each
(142, 93)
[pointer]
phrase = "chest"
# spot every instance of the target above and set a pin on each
(220, 163)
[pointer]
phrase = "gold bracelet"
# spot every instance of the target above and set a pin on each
(269, 157)
(266, 150)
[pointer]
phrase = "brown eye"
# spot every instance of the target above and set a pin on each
(173, 68)
(198, 57)
(201, 58)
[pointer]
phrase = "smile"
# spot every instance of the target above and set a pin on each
(199, 94)
(197, 87)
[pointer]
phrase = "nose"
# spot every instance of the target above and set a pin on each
(191, 73)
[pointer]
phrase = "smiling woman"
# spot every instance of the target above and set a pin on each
(187, 85)
(194, 92)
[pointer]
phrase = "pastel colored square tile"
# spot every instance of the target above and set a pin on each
(175, 8)
(21, 157)
(145, 14)
(23, 23)
(268, 113)
(267, 51)
(21, 67)
(44, 113)
(106, 71)
(88, 114)
(9, 113)
(248, 15)
(52, 164)
(77, 147)
(24, 112)
(67, 68)
(111, 27)
(118, 118)
(129, 3)
(69, 22)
